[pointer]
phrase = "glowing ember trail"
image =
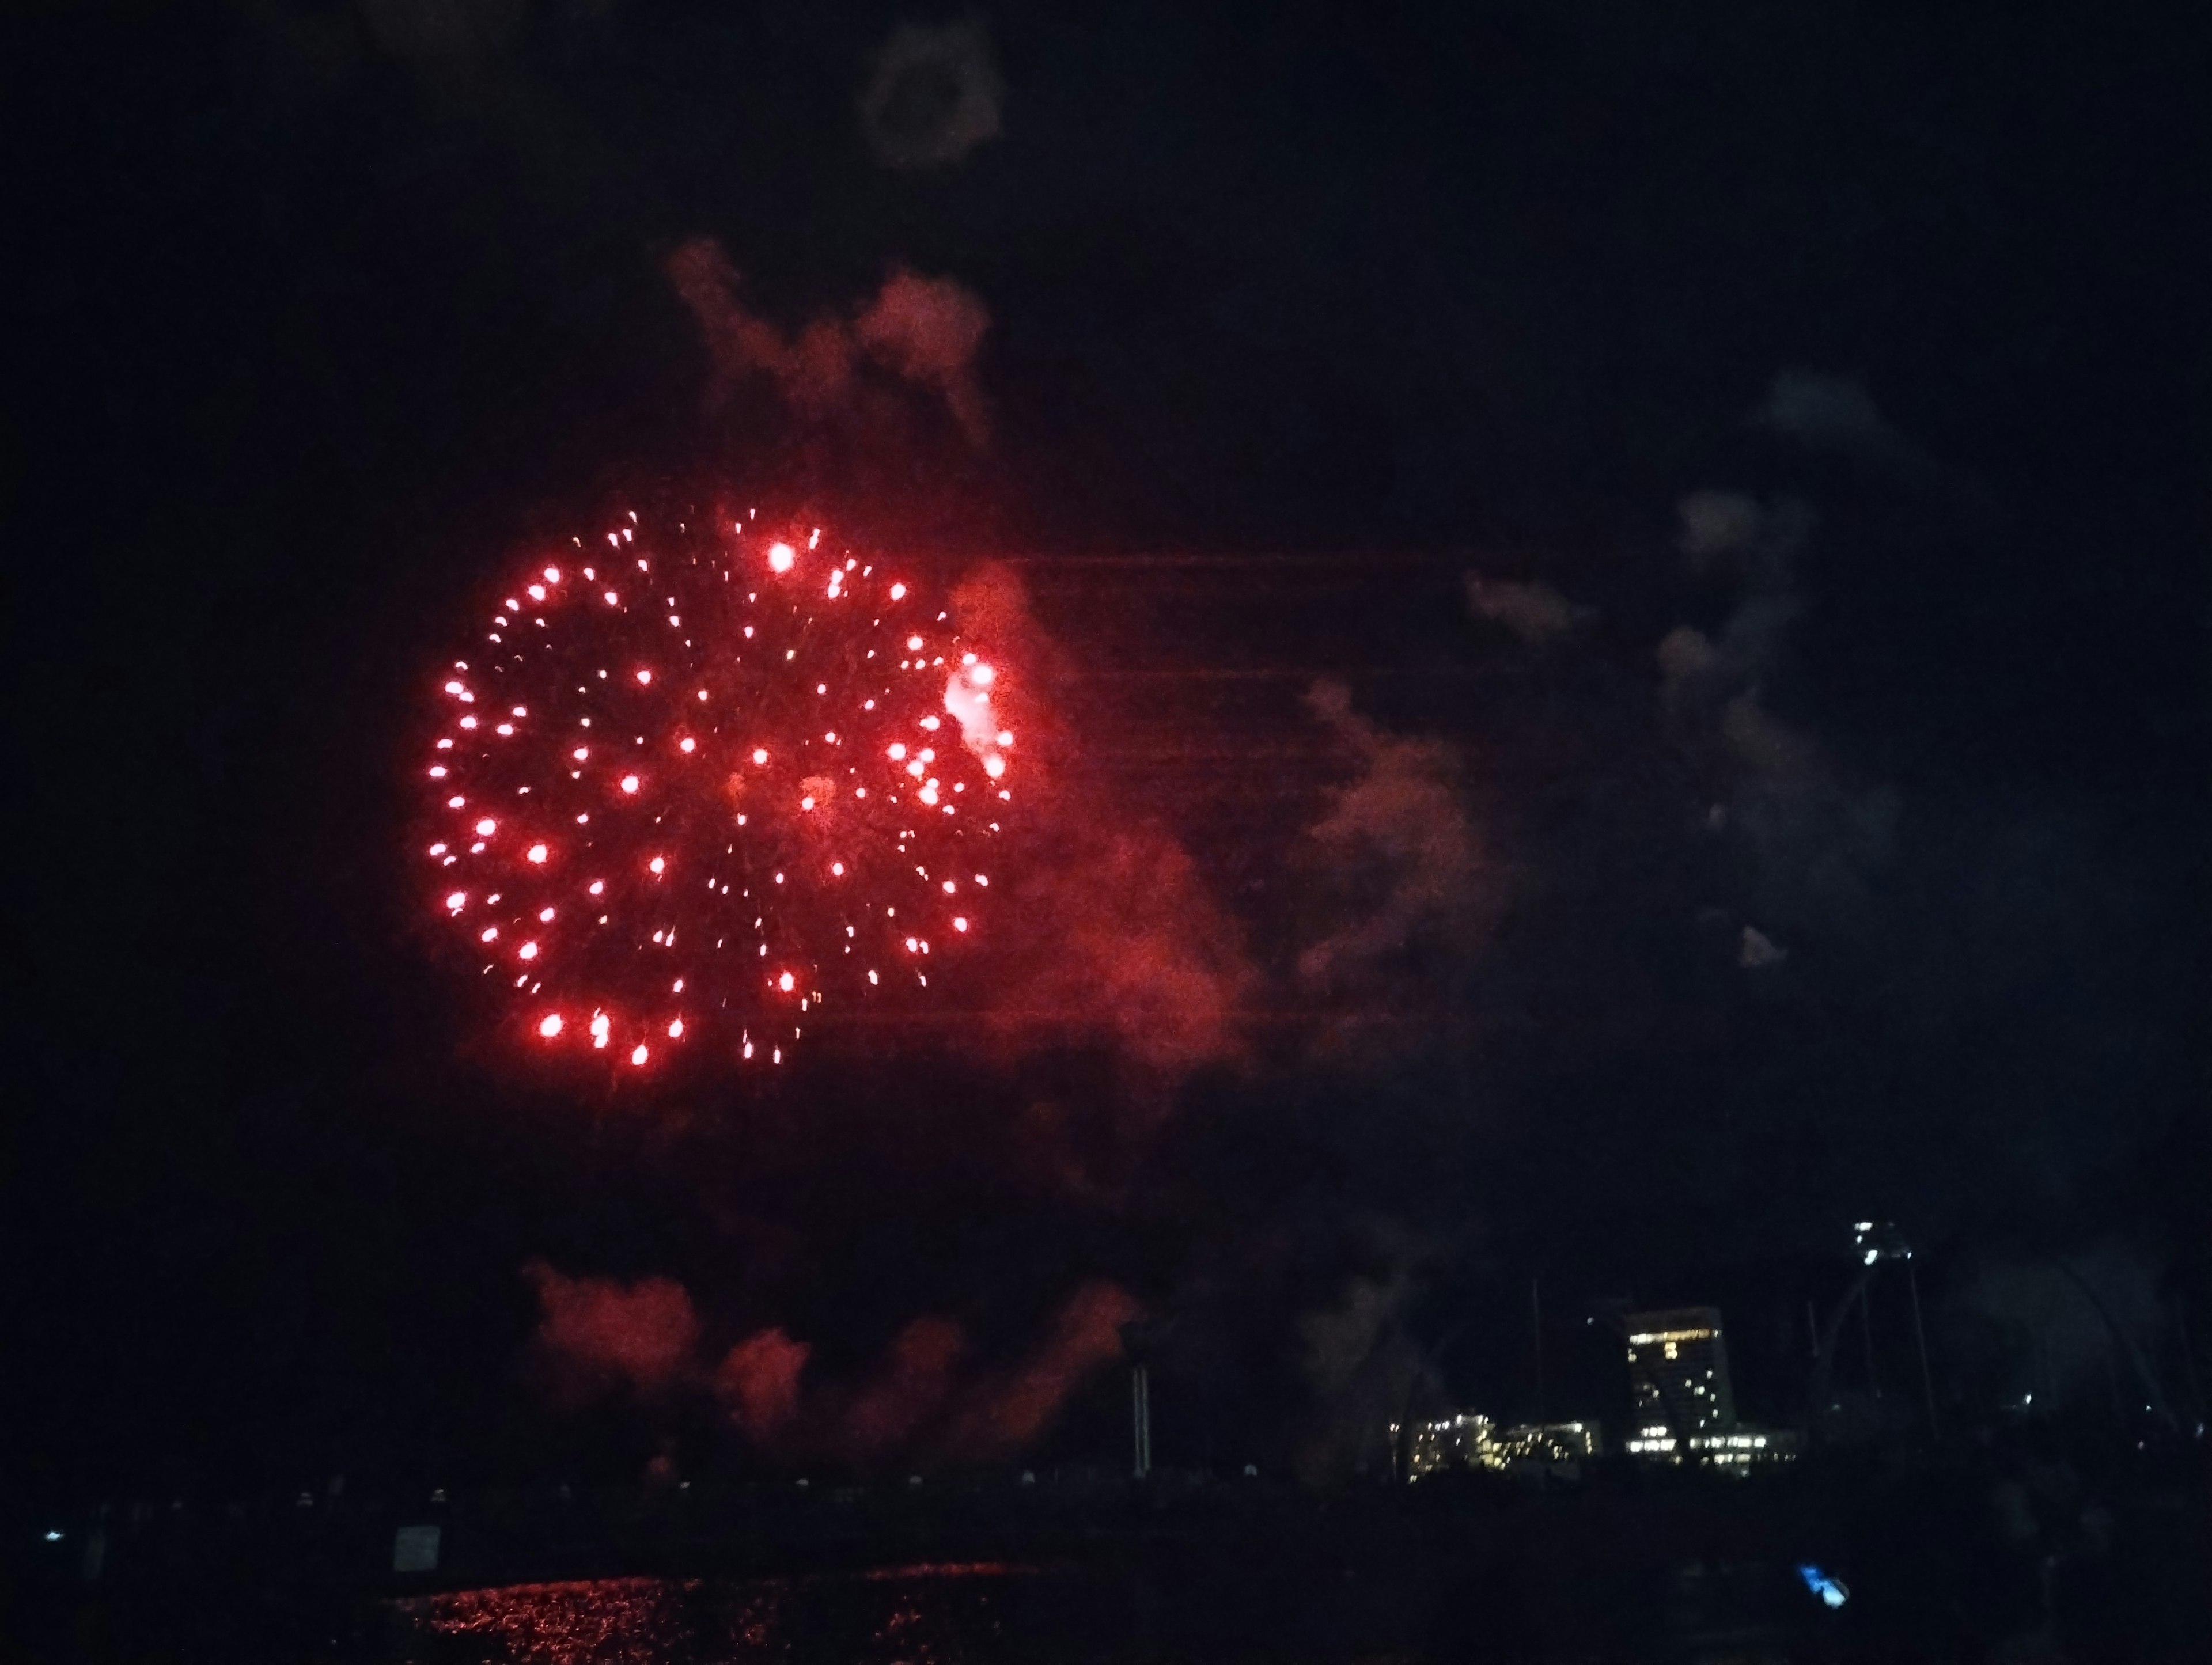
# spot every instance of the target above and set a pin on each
(693, 791)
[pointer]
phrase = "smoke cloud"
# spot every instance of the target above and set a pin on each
(1115, 934)
(909, 1390)
(759, 1381)
(1836, 414)
(598, 1334)
(1340, 1339)
(1756, 950)
(1009, 1414)
(1719, 524)
(932, 96)
(1815, 839)
(1365, 1373)
(1400, 835)
(922, 333)
(1123, 940)
(1535, 612)
(920, 1400)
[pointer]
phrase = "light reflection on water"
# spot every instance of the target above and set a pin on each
(923, 1615)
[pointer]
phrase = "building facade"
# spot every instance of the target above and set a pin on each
(1544, 1444)
(1741, 1449)
(1469, 1440)
(1678, 1371)
(1452, 1442)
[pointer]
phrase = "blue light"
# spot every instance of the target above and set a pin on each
(53, 1537)
(1832, 1592)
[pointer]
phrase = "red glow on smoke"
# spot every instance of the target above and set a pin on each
(597, 1332)
(1113, 931)
(758, 1380)
(922, 331)
(912, 1388)
(1086, 1339)
(921, 1399)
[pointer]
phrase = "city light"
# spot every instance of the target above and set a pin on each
(1469, 1440)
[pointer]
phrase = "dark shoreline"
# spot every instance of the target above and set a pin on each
(1624, 1565)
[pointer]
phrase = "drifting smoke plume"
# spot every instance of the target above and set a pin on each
(1836, 414)
(1720, 523)
(909, 1391)
(1815, 839)
(1007, 1415)
(1535, 612)
(1126, 943)
(1340, 1338)
(1116, 935)
(928, 330)
(920, 332)
(1755, 951)
(1686, 656)
(1365, 1373)
(596, 1334)
(758, 1381)
(918, 1399)
(932, 97)
(1399, 832)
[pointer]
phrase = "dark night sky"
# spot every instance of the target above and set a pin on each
(317, 311)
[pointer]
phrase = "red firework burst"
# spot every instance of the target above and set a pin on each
(697, 787)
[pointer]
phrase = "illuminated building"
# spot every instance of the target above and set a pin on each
(1678, 1370)
(1455, 1442)
(1468, 1440)
(1551, 1443)
(1741, 1447)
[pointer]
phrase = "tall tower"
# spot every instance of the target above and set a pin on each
(1677, 1362)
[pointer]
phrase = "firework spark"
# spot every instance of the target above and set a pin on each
(695, 787)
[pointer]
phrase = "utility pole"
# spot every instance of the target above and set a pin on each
(1140, 1407)
(1920, 1336)
(1536, 1316)
(1866, 1334)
